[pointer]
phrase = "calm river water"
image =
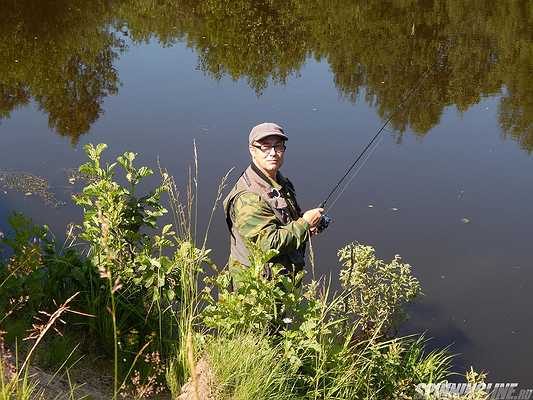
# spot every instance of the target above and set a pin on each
(450, 187)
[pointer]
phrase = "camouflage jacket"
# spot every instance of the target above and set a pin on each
(265, 212)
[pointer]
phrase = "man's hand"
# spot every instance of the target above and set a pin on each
(313, 216)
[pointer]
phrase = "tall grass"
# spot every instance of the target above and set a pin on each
(17, 387)
(186, 312)
(248, 367)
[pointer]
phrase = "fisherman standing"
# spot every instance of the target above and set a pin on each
(262, 206)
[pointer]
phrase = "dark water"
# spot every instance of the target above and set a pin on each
(151, 77)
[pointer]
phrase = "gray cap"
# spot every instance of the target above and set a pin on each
(265, 129)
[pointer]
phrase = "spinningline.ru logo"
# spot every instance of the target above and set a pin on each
(492, 391)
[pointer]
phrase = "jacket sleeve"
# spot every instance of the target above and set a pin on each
(256, 221)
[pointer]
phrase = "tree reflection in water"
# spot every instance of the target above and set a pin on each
(376, 50)
(61, 54)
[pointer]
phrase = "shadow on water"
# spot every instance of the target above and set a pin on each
(445, 333)
(62, 54)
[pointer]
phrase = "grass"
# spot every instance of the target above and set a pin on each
(17, 387)
(248, 367)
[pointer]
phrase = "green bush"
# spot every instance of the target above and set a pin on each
(256, 303)
(37, 276)
(332, 345)
(377, 292)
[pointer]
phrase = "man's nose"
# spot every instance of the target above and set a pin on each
(272, 150)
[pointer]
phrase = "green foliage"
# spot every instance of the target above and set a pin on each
(150, 273)
(115, 225)
(21, 275)
(377, 291)
(17, 388)
(248, 367)
(273, 303)
(318, 335)
(37, 275)
(258, 303)
(394, 367)
(138, 281)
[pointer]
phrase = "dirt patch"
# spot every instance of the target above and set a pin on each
(203, 386)
(65, 387)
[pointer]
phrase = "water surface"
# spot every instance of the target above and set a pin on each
(152, 77)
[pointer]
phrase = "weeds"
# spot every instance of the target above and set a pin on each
(376, 291)
(248, 367)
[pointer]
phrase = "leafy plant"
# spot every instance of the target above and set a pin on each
(317, 334)
(249, 300)
(37, 275)
(114, 217)
(377, 291)
(150, 273)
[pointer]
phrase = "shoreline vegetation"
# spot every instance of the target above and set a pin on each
(140, 305)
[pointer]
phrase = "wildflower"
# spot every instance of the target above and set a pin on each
(287, 320)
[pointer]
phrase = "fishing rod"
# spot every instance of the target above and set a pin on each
(325, 220)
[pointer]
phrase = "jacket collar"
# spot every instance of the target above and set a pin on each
(267, 179)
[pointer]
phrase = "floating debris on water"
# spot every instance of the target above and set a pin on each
(72, 180)
(370, 206)
(77, 176)
(394, 209)
(29, 185)
(465, 220)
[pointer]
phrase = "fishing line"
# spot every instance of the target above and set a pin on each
(355, 173)
(325, 220)
(369, 145)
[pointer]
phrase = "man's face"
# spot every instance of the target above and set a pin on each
(270, 157)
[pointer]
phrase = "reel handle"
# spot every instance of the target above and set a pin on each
(324, 222)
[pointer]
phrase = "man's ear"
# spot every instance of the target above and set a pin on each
(251, 150)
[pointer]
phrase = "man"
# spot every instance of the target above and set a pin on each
(262, 206)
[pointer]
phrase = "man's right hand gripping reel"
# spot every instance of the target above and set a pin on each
(324, 222)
